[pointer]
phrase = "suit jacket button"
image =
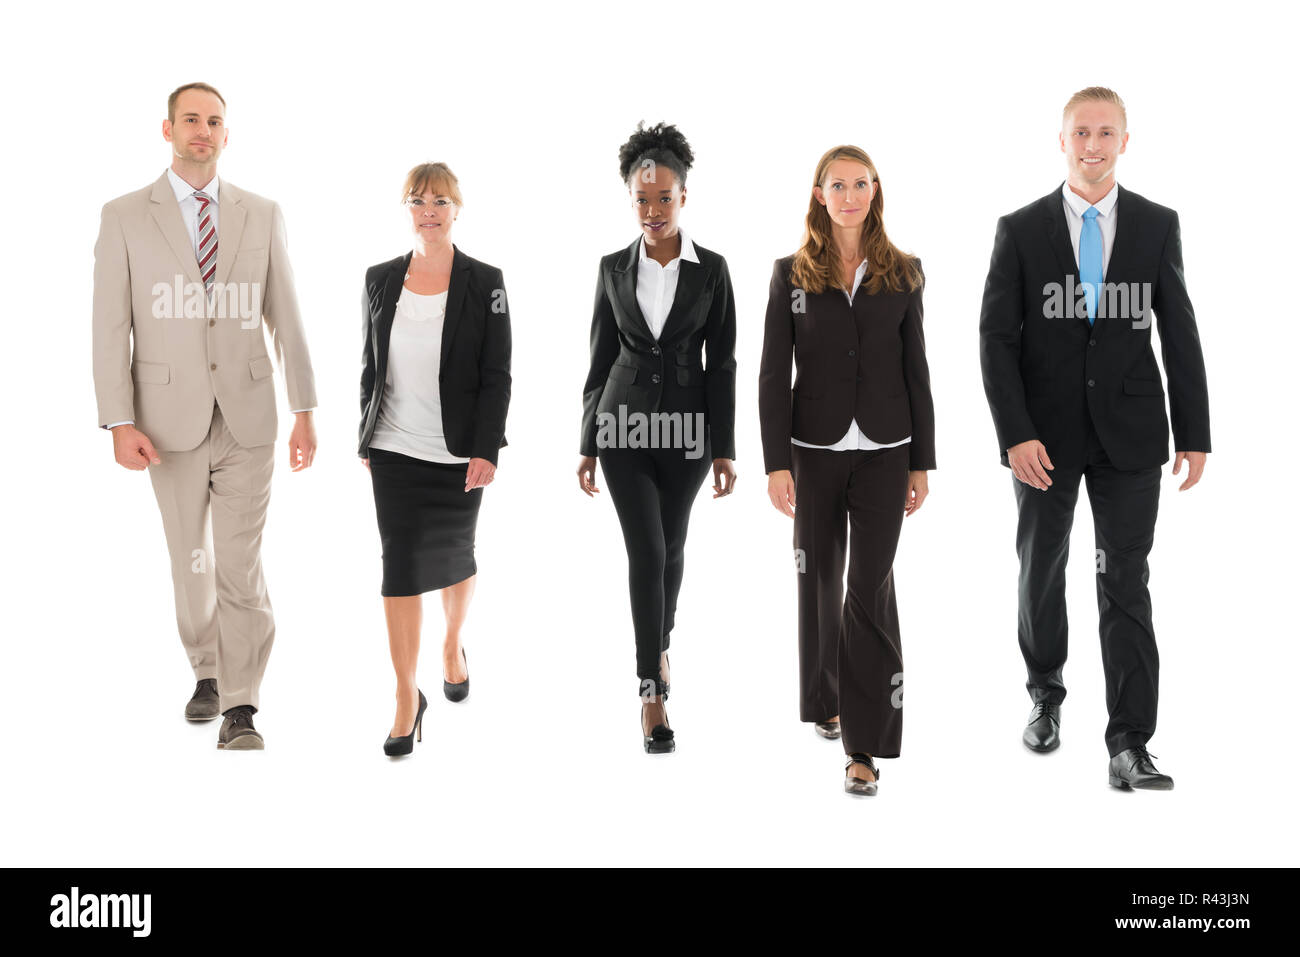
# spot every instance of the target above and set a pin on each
(213, 367)
(1092, 342)
(655, 378)
(212, 322)
(852, 352)
(1091, 383)
(654, 351)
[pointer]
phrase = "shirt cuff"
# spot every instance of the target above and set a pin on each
(113, 425)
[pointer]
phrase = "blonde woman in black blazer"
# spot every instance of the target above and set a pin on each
(856, 438)
(663, 336)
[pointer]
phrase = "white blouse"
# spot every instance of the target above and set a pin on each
(410, 416)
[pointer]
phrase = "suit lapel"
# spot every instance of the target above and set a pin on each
(166, 212)
(230, 226)
(690, 280)
(1058, 234)
(455, 299)
(625, 275)
(388, 307)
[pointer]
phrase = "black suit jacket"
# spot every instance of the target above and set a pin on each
(474, 369)
(865, 362)
(630, 367)
(1045, 375)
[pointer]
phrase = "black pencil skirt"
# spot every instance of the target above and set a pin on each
(426, 522)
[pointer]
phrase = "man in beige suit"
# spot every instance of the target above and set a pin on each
(190, 268)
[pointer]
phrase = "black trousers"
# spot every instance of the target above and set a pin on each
(653, 490)
(850, 650)
(1124, 516)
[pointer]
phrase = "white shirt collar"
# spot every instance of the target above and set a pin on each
(183, 189)
(1080, 205)
(687, 251)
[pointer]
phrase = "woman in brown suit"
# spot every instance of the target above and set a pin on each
(857, 438)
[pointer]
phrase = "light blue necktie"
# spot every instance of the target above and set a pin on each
(1090, 273)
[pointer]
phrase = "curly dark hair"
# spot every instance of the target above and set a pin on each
(662, 145)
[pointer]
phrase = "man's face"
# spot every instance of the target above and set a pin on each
(198, 134)
(1092, 138)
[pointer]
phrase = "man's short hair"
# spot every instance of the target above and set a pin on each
(171, 100)
(1095, 94)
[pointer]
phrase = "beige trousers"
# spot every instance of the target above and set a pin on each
(213, 501)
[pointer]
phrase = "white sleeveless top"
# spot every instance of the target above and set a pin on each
(410, 416)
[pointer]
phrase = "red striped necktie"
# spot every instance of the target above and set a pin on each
(207, 240)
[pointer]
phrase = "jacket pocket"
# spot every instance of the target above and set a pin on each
(622, 373)
(1143, 387)
(157, 373)
(260, 367)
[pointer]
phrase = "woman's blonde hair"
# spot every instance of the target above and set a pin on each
(816, 262)
(435, 177)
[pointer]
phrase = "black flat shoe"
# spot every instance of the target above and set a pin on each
(395, 747)
(828, 729)
(1043, 731)
(854, 785)
(460, 690)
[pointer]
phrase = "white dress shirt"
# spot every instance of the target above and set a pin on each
(854, 438)
(410, 415)
(1076, 206)
(656, 285)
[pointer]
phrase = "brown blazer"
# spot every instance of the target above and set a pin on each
(161, 359)
(864, 362)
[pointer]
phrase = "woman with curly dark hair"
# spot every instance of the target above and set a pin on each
(660, 398)
(857, 438)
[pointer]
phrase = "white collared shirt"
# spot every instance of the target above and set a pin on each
(656, 285)
(1076, 206)
(854, 438)
(190, 207)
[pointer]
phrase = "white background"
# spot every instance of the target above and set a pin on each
(329, 106)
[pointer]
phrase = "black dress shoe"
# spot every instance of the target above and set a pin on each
(1133, 769)
(460, 690)
(237, 731)
(394, 747)
(205, 703)
(1043, 733)
(856, 785)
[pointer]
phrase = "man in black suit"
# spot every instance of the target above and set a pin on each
(1075, 391)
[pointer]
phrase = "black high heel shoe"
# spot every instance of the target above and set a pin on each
(660, 739)
(460, 690)
(394, 747)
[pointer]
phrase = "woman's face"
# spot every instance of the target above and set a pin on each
(431, 216)
(846, 192)
(657, 199)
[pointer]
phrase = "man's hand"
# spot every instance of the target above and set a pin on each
(780, 489)
(1028, 461)
(1195, 466)
(302, 442)
(918, 487)
(479, 472)
(132, 448)
(587, 474)
(724, 477)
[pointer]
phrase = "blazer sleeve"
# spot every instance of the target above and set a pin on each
(774, 396)
(494, 374)
(604, 350)
(916, 375)
(280, 311)
(111, 324)
(1000, 328)
(1189, 400)
(367, 363)
(720, 366)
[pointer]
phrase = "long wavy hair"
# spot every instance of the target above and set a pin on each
(816, 262)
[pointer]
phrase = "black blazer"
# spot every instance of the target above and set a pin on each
(474, 370)
(865, 361)
(630, 367)
(1045, 375)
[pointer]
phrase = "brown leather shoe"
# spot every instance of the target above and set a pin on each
(237, 731)
(205, 703)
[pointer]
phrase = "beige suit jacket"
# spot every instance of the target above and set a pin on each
(190, 348)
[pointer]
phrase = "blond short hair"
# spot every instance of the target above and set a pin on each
(1095, 94)
(436, 177)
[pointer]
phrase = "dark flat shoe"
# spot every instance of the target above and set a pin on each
(828, 729)
(854, 785)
